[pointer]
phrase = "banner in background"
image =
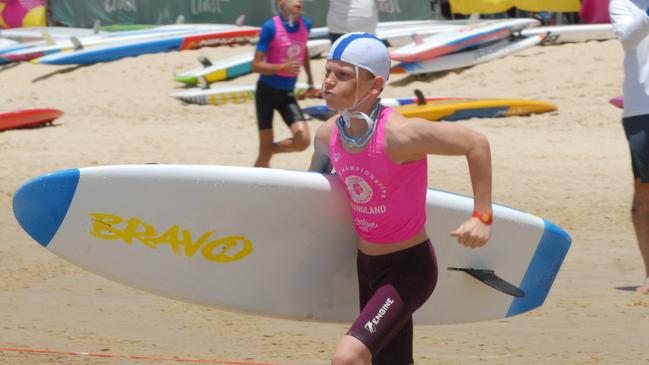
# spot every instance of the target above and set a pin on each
(84, 13)
(499, 6)
(480, 6)
(559, 6)
(22, 13)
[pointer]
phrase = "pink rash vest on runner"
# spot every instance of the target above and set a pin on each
(287, 46)
(388, 200)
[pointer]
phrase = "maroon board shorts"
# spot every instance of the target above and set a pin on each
(391, 288)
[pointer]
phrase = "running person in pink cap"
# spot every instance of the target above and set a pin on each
(380, 156)
(281, 53)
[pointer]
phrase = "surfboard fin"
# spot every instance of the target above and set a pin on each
(417, 38)
(421, 99)
(203, 83)
(473, 18)
(241, 19)
(96, 26)
(204, 61)
(49, 40)
(76, 43)
(490, 278)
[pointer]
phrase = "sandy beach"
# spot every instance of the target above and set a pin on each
(571, 167)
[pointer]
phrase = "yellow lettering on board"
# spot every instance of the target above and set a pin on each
(170, 237)
(103, 226)
(225, 249)
(192, 248)
(145, 235)
(227, 244)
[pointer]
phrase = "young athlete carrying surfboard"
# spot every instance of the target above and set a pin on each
(381, 158)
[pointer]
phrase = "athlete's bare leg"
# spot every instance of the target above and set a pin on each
(640, 217)
(299, 141)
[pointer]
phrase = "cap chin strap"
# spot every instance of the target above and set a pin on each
(346, 115)
(360, 142)
(349, 113)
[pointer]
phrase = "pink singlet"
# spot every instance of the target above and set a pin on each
(287, 46)
(388, 200)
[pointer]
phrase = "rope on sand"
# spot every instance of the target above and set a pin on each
(131, 357)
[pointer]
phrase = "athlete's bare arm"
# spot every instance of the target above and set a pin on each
(259, 65)
(413, 139)
(320, 161)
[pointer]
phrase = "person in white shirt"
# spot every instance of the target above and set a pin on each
(630, 19)
(346, 16)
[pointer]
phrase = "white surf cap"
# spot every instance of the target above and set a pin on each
(363, 50)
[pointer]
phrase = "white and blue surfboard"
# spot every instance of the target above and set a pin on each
(133, 48)
(272, 242)
(322, 112)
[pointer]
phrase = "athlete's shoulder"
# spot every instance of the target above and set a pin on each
(327, 127)
(395, 119)
(402, 128)
(308, 23)
(268, 26)
(266, 35)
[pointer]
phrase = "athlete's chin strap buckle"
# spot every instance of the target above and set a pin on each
(490, 278)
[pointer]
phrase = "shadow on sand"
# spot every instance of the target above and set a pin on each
(57, 72)
(430, 77)
(626, 288)
(8, 66)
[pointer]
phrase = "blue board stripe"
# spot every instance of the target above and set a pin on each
(543, 269)
(478, 35)
(494, 112)
(40, 205)
(112, 53)
(239, 70)
(320, 112)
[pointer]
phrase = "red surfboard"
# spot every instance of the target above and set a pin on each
(219, 38)
(618, 101)
(27, 118)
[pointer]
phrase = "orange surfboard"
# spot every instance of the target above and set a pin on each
(27, 118)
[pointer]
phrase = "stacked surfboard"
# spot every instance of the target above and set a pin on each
(393, 33)
(486, 41)
(321, 112)
(226, 94)
(237, 65)
(572, 33)
(452, 109)
(464, 47)
(461, 109)
(114, 46)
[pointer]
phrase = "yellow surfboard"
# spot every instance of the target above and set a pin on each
(461, 109)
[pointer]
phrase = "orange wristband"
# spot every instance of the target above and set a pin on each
(282, 67)
(486, 218)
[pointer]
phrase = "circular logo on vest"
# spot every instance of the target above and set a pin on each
(293, 51)
(359, 189)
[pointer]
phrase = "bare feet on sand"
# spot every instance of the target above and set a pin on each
(643, 288)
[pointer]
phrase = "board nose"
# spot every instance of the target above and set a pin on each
(543, 269)
(40, 205)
